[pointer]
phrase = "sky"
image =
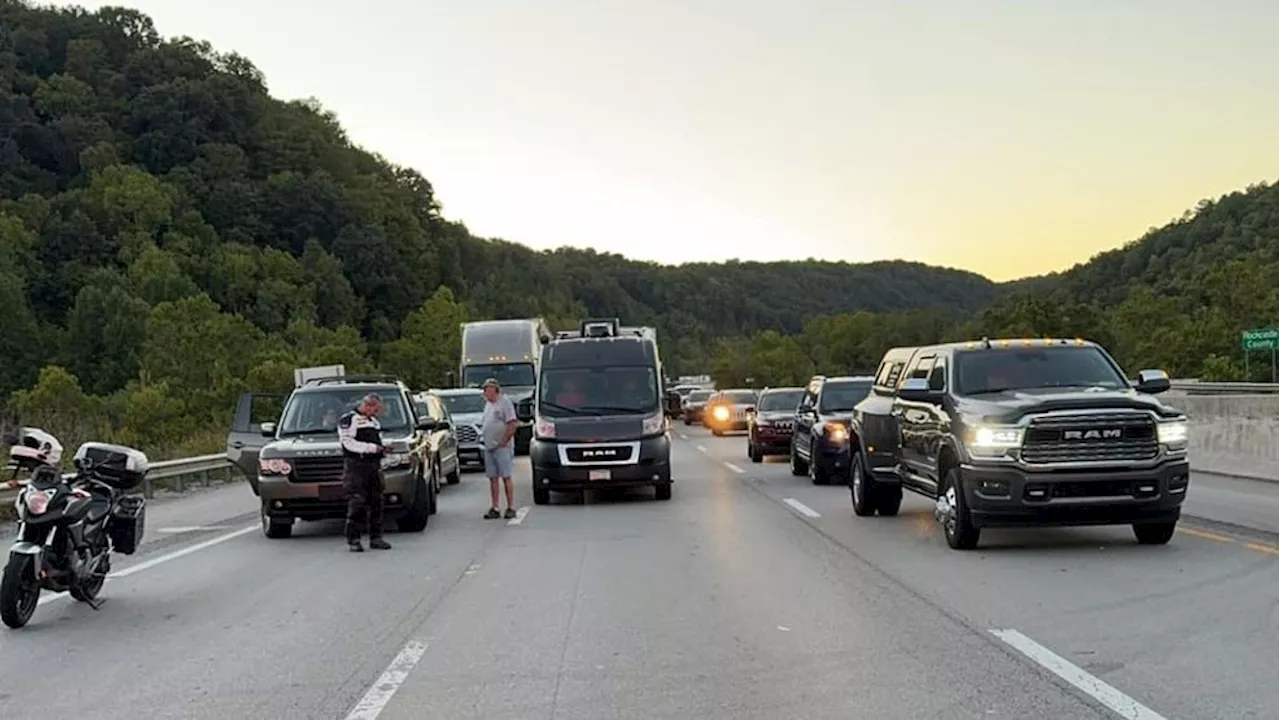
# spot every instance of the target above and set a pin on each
(1006, 137)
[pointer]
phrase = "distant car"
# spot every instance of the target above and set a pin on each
(443, 441)
(769, 427)
(728, 410)
(820, 440)
(693, 405)
(466, 407)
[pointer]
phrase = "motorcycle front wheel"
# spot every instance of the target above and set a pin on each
(19, 591)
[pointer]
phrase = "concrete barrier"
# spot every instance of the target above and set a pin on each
(1233, 434)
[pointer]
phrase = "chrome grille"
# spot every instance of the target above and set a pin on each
(1096, 437)
(316, 469)
(467, 434)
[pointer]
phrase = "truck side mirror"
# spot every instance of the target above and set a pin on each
(1153, 382)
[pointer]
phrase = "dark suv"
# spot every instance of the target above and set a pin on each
(1020, 433)
(296, 465)
(820, 441)
(769, 427)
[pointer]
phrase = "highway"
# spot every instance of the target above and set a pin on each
(751, 594)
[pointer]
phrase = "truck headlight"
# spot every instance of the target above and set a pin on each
(994, 440)
(1173, 434)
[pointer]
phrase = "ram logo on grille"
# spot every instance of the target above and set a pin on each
(1093, 434)
(606, 453)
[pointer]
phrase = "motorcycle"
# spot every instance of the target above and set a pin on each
(68, 527)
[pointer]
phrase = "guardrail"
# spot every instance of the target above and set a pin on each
(1196, 387)
(170, 474)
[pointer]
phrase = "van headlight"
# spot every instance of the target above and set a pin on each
(1173, 434)
(654, 424)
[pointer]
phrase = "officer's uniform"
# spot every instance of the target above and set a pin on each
(362, 454)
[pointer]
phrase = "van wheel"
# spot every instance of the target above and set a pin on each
(662, 491)
(541, 496)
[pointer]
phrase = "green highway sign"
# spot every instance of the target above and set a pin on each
(1260, 339)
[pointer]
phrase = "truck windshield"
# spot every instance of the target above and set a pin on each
(316, 412)
(575, 392)
(464, 404)
(842, 396)
(780, 400)
(507, 375)
(1000, 369)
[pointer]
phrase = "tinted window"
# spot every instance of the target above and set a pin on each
(983, 371)
(699, 395)
(464, 404)
(598, 391)
(780, 400)
(842, 396)
(510, 375)
(739, 397)
(317, 412)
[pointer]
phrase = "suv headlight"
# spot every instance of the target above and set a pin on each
(836, 432)
(1173, 434)
(274, 466)
(654, 424)
(994, 440)
(395, 460)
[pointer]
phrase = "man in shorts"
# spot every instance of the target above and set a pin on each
(498, 428)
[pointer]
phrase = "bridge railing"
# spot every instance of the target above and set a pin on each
(168, 474)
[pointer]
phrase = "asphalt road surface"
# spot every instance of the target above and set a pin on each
(750, 594)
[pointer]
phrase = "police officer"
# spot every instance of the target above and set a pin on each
(362, 451)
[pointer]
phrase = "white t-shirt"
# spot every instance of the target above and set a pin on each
(493, 425)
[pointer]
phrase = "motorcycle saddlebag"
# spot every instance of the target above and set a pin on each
(128, 521)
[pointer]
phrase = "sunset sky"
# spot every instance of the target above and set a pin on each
(1009, 137)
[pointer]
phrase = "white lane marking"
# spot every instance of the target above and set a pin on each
(386, 686)
(471, 570)
(784, 628)
(801, 508)
(115, 575)
(734, 468)
(1121, 704)
(702, 449)
(683, 436)
(520, 516)
(192, 528)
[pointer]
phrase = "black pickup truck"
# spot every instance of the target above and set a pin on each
(1020, 433)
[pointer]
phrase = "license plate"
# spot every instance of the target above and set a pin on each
(599, 474)
(332, 492)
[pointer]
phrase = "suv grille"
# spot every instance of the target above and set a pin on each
(316, 469)
(467, 434)
(1101, 437)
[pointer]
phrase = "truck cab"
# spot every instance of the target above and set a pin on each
(507, 351)
(1020, 433)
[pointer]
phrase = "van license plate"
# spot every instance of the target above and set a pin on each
(599, 474)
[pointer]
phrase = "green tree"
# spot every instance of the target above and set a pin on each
(430, 342)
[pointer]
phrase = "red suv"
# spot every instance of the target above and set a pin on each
(769, 427)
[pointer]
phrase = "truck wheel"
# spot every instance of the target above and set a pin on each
(1154, 533)
(798, 466)
(862, 488)
(951, 510)
(662, 491)
(888, 500)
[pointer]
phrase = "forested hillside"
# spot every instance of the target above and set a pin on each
(171, 236)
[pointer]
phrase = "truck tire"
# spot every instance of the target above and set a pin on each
(862, 489)
(953, 512)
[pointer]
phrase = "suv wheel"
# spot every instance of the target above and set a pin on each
(276, 528)
(817, 473)
(415, 519)
(1154, 533)
(798, 466)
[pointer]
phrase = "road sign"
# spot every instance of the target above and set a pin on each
(1260, 339)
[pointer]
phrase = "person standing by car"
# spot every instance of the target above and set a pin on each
(498, 427)
(362, 451)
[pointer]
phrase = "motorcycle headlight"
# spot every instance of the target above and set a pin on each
(38, 501)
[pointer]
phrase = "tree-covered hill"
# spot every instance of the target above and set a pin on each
(171, 235)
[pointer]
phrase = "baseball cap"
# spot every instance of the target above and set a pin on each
(493, 383)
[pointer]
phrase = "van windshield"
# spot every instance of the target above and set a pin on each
(575, 392)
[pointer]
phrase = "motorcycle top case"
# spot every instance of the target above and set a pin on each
(121, 467)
